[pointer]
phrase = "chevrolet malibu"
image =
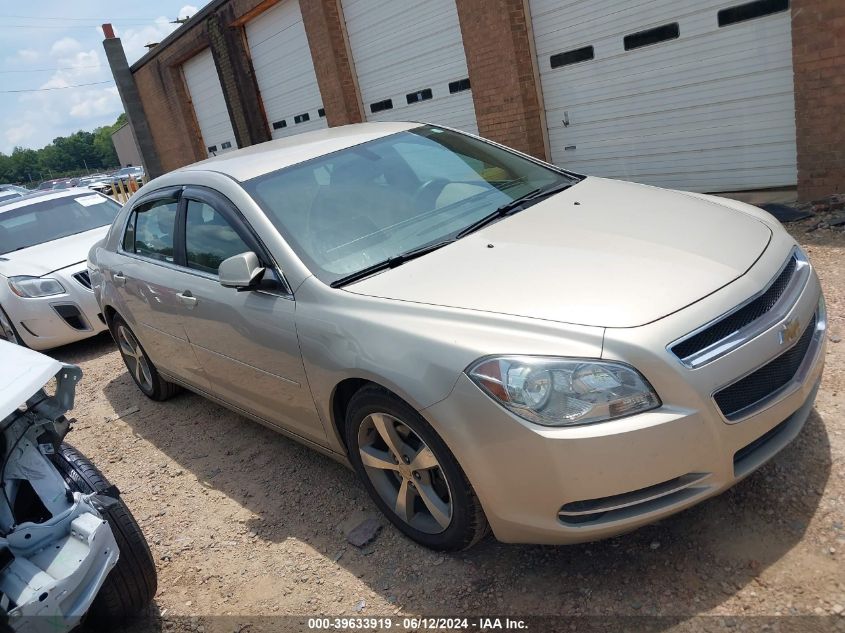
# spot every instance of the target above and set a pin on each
(488, 340)
(46, 298)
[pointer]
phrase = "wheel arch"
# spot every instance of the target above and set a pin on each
(343, 393)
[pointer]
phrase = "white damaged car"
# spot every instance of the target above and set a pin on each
(46, 298)
(70, 550)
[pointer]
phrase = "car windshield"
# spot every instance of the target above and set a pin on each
(351, 209)
(48, 220)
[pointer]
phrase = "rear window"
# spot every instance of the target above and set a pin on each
(48, 220)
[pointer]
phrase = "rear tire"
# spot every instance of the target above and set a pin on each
(131, 584)
(139, 365)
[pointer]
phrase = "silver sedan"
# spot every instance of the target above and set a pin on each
(486, 339)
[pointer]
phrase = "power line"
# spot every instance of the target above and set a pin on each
(95, 83)
(46, 70)
(72, 26)
(97, 20)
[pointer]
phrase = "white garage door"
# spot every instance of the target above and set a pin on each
(691, 94)
(410, 61)
(285, 71)
(209, 103)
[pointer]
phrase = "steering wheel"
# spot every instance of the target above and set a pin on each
(426, 195)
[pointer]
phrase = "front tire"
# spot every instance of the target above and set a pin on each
(410, 473)
(131, 584)
(139, 365)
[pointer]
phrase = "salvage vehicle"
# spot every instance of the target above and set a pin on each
(45, 294)
(484, 337)
(70, 550)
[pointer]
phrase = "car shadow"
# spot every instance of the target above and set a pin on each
(685, 565)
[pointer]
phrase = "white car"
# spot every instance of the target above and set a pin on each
(45, 293)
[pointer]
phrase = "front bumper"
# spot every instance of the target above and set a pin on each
(568, 485)
(48, 322)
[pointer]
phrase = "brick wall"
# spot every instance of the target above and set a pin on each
(167, 103)
(324, 26)
(237, 76)
(818, 55)
(498, 46)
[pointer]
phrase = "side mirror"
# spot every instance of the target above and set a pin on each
(240, 271)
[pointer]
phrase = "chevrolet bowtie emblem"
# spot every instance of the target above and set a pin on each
(789, 332)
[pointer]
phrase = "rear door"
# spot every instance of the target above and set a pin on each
(245, 340)
(144, 275)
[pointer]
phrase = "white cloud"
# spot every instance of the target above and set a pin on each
(135, 39)
(19, 133)
(188, 11)
(28, 55)
(65, 46)
(39, 117)
(95, 103)
(23, 57)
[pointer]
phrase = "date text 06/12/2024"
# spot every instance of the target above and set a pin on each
(416, 623)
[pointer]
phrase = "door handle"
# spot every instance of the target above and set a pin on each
(119, 279)
(187, 299)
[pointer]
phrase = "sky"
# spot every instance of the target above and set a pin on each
(58, 43)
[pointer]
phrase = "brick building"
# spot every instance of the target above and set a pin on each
(707, 95)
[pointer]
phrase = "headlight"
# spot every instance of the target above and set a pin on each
(564, 392)
(33, 287)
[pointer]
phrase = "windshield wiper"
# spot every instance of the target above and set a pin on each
(509, 208)
(390, 262)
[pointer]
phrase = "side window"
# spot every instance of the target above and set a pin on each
(150, 230)
(209, 238)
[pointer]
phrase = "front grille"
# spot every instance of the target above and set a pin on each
(83, 279)
(767, 380)
(734, 322)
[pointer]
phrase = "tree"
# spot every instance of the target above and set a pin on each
(73, 154)
(106, 154)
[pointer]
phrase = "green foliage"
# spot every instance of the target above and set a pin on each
(65, 156)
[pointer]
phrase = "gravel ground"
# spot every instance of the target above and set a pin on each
(244, 522)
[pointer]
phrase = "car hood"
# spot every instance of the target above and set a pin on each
(22, 373)
(43, 259)
(603, 253)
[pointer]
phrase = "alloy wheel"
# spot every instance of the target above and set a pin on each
(405, 472)
(7, 332)
(136, 360)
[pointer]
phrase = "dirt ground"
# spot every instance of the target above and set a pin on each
(243, 521)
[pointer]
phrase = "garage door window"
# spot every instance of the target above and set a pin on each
(582, 54)
(150, 230)
(209, 238)
(380, 106)
(751, 10)
(652, 36)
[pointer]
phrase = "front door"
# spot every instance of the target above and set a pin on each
(245, 340)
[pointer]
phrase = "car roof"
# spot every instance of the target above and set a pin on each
(45, 194)
(257, 160)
